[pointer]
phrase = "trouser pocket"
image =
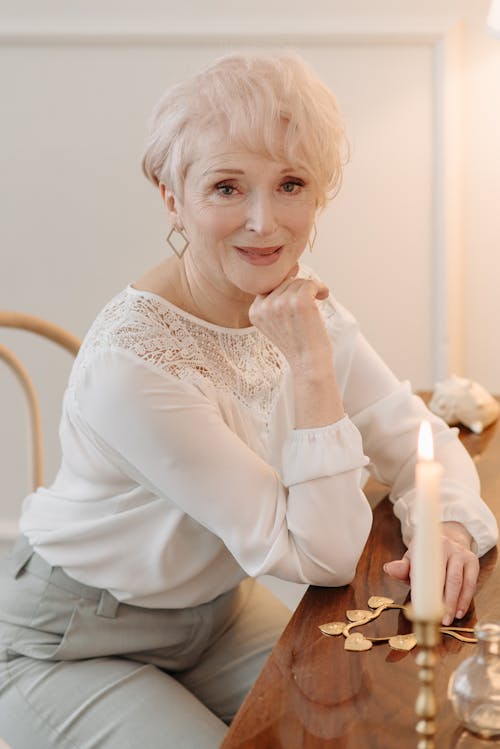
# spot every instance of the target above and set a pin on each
(44, 613)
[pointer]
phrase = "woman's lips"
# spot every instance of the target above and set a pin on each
(260, 255)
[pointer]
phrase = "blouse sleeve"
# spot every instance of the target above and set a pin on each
(309, 525)
(388, 416)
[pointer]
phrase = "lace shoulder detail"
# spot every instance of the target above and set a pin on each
(242, 363)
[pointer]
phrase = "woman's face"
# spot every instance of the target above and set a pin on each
(248, 217)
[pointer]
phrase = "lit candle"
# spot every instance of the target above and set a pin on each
(427, 577)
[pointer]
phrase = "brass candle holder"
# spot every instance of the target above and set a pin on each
(426, 634)
(428, 637)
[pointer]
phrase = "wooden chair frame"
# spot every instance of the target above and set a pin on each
(55, 333)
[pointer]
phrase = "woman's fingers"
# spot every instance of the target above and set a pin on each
(469, 587)
(323, 293)
(398, 568)
(294, 299)
(291, 284)
(462, 570)
(307, 287)
(460, 578)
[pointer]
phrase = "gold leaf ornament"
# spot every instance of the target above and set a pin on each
(403, 642)
(359, 615)
(332, 628)
(358, 642)
(378, 604)
(375, 601)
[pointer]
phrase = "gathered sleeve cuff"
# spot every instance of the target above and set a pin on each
(310, 454)
(457, 505)
(460, 497)
(391, 434)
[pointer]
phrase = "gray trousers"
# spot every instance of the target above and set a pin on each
(79, 670)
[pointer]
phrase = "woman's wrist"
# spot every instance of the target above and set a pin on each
(458, 533)
(313, 368)
(317, 402)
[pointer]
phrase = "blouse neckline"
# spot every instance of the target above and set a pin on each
(187, 315)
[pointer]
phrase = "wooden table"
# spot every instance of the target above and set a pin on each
(312, 694)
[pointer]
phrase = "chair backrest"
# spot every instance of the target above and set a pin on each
(46, 329)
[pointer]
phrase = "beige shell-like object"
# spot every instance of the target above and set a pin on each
(461, 401)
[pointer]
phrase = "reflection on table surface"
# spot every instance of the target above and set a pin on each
(313, 694)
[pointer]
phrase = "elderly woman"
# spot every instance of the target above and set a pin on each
(215, 428)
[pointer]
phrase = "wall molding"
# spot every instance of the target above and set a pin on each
(131, 36)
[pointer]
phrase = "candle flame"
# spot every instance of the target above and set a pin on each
(425, 443)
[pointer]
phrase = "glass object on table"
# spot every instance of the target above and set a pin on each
(474, 688)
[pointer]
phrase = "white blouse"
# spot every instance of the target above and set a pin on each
(182, 472)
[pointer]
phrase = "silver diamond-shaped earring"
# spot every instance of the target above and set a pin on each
(177, 241)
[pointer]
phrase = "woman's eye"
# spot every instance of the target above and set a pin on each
(292, 185)
(224, 189)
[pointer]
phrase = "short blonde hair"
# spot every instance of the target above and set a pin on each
(250, 96)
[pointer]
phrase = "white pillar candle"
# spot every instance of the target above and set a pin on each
(427, 575)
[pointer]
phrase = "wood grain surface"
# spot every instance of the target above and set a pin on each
(312, 694)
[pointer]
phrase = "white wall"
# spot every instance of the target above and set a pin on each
(481, 189)
(409, 245)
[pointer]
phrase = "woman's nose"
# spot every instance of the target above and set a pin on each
(261, 216)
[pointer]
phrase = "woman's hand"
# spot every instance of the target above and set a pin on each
(461, 570)
(290, 318)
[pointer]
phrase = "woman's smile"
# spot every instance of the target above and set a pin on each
(260, 255)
